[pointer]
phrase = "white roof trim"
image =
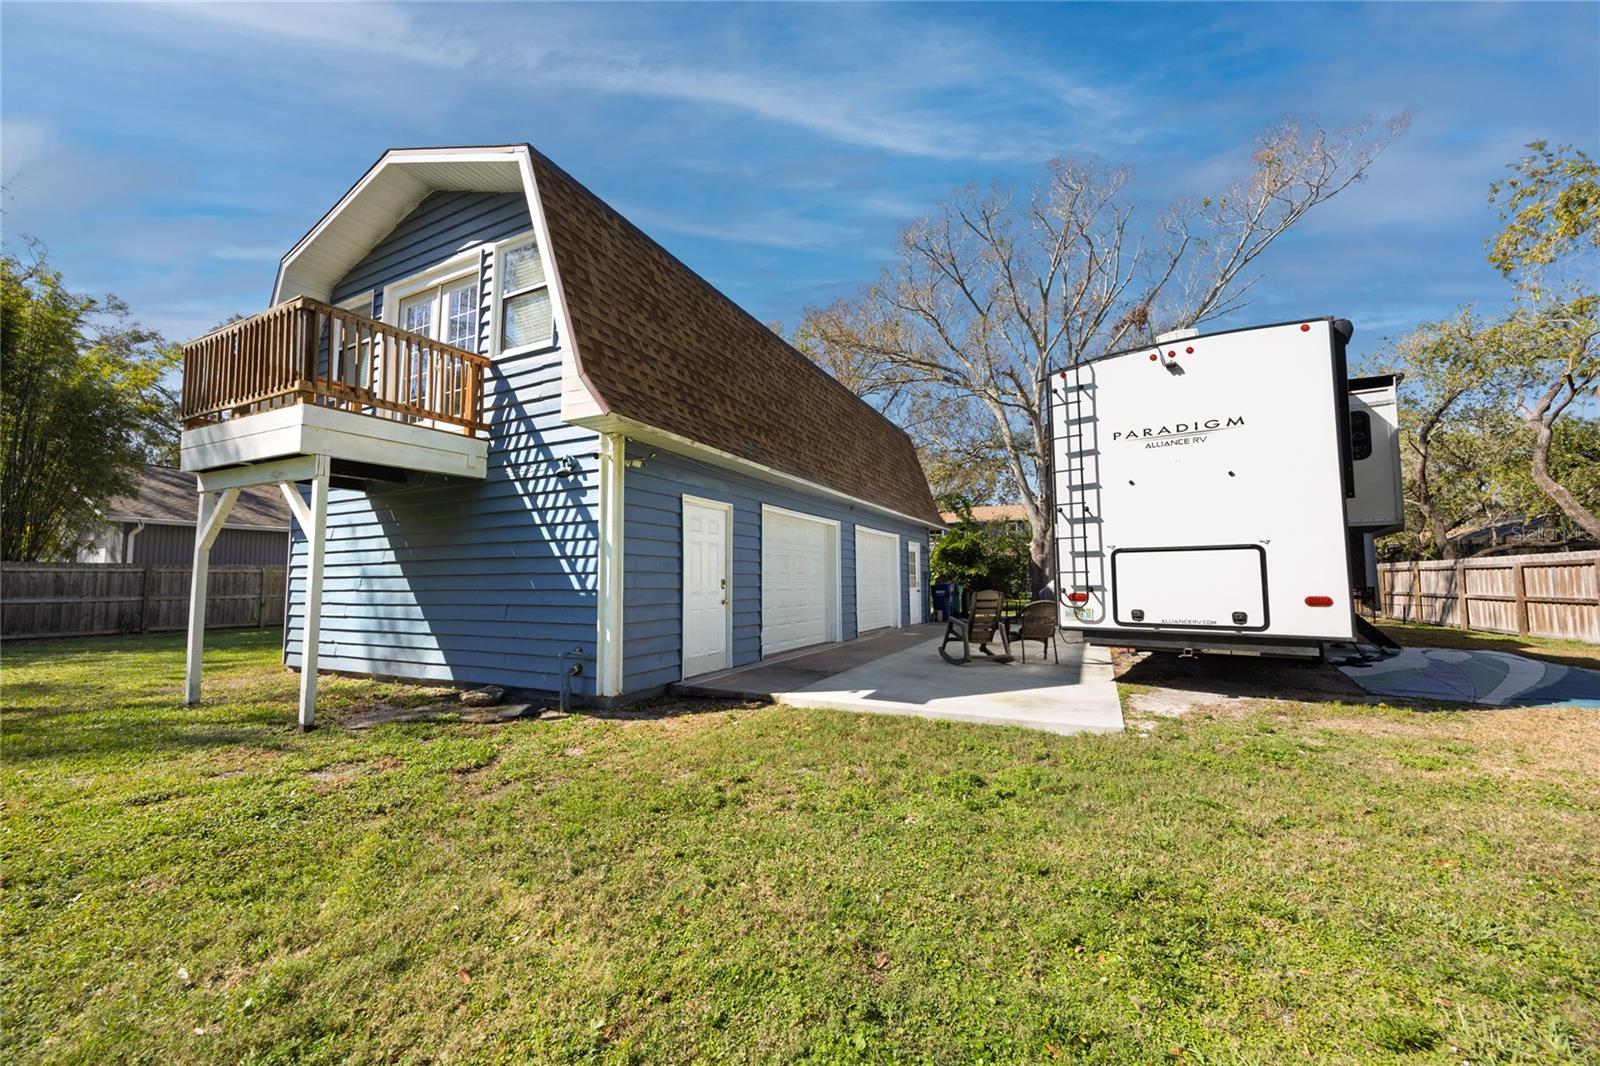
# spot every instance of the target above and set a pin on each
(375, 204)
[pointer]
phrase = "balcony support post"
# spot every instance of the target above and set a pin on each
(214, 508)
(314, 523)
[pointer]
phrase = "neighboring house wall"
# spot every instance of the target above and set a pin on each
(472, 582)
(174, 546)
(653, 558)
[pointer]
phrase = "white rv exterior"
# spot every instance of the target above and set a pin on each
(1200, 490)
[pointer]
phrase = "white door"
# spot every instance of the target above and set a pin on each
(706, 593)
(914, 584)
(799, 581)
(877, 579)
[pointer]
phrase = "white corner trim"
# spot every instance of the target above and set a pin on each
(558, 298)
(608, 637)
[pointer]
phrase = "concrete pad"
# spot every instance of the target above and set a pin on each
(1078, 696)
(1484, 678)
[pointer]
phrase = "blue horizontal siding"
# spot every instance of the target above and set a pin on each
(653, 557)
(455, 580)
(444, 224)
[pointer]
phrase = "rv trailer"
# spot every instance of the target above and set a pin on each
(1220, 492)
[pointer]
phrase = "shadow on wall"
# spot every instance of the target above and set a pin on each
(474, 582)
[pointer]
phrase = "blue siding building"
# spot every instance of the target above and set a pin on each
(668, 489)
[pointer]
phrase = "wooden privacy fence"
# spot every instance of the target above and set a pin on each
(91, 599)
(1553, 595)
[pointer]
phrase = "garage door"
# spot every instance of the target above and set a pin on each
(798, 581)
(877, 579)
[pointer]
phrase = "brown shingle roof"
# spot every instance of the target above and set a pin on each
(162, 494)
(658, 344)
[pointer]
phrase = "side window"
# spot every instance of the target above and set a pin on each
(1360, 435)
(525, 314)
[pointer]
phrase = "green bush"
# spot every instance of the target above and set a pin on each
(981, 557)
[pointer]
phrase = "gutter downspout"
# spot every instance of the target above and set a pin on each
(127, 541)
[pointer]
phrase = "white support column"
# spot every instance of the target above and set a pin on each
(214, 508)
(608, 651)
(314, 523)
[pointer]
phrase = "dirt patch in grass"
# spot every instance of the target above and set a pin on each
(1163, 685)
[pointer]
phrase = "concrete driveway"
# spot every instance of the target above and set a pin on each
(900, 672)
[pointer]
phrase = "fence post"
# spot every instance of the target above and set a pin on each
(1461, 594)
(1520, 586)
(144, 601)
(261, 597)
(1415, 610)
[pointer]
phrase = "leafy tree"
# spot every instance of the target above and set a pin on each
(82, 406)
(979, 556)
(1550, 347)
(1550, 206)
(1551, 357)
(997, 286)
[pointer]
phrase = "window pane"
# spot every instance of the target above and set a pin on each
(461, 316)
(527, 320)
(416, 314)
(520, 268)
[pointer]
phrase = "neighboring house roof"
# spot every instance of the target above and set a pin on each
(166, 496)
(1000, 512)
(652, 341)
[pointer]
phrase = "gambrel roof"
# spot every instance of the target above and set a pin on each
(652, 343)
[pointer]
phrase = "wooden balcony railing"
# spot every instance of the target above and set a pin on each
(305, 351)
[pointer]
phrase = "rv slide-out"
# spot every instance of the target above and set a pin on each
(1200, 489)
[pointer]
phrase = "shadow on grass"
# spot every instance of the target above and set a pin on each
(1558, 653)
(664, 707)
(36, 733)
(1242, 677)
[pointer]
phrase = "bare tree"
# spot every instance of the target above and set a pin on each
(994, 289)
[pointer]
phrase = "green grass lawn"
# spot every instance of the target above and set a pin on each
(1290, 883)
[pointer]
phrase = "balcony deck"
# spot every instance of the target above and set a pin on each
(308, 379)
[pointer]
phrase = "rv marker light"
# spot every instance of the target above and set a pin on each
(1319, 601)
(1154, 356)
(1305, 327)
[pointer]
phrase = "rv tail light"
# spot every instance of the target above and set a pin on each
(1319, 601)
(1077, 597)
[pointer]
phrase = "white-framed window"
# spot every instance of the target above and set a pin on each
(524, 319)
(443, 307)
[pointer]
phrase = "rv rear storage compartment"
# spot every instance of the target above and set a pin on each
(1199, 490)
(1190, 587)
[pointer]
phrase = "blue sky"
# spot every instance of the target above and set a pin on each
(171, 154)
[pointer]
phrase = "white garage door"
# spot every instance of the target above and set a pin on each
(798, 581)
(877, 579)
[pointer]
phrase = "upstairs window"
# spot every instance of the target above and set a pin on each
(453, 304)
(525, 314)
(447, 312)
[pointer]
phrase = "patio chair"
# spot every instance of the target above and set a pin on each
(981, 625)
(1038, 622)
